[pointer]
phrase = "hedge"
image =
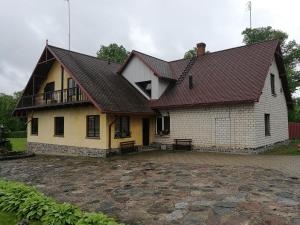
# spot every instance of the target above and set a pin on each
(17, 134)
(27, 202)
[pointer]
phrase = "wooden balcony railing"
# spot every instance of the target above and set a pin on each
(53, 97)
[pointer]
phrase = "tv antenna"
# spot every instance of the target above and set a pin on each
(69, 18)
(249, 7)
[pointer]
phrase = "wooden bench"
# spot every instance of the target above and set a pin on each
(182, 144)
(127, 146)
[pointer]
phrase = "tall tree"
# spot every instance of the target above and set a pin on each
(7, 105)
(113, 52)
(290, 50)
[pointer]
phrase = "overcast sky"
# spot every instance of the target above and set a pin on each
(162, 28)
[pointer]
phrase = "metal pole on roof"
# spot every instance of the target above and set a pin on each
(69, 10)
(249, 6)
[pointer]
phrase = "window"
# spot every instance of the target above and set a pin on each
(71, 87)
(48, 91)
(163, 125)
(272, 77)
(267, 125)
(122, 129)
(34, 126)
(93, 126)
(145, 86)
(59, 126)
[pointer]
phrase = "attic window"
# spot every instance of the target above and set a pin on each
(145, 86)
(273, 84)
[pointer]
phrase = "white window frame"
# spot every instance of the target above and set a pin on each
(162, 116)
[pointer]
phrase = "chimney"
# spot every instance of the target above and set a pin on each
(190, 81)
(201, 49)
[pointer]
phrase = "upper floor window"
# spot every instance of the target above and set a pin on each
(272, 77)
(71, 87)
(49, 91)
(34, 126)
(122, 127)
(267, 125)
(93, 126)
(59, 126)
(163, 125)
(145, 86)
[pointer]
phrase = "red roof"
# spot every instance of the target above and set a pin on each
(234, 75)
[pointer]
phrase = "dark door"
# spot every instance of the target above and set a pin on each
(145, 131)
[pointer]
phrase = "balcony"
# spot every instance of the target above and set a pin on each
(54, 98)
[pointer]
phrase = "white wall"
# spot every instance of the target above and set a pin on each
(227, 126)
(137, 71)
(276, 107)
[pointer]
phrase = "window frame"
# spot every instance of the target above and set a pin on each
(272, 83)
(60, 134)
(267, 122)
(95, 134)
(37, 126)
(163, 125)
(119, 122)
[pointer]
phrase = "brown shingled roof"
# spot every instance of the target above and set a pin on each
(159, 67)
(230, 76)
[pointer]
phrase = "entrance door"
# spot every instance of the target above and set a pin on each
(145, 131)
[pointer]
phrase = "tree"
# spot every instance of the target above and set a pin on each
(7, 105)
(190, 53)
(290, 50)
(113, 52)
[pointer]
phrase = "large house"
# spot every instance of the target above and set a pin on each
(231, 100)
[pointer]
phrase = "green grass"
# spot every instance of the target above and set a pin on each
(11, 219)
(18, 144)
(290, 149)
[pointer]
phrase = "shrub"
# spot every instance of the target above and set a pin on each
(27, 202)
(17, 134)
(62, 214)
(35, 206)
(96, 219)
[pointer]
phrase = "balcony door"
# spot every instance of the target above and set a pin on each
(49, 92)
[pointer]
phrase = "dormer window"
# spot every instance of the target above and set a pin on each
(145, 86)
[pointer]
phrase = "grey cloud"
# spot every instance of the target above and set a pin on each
(164, 28)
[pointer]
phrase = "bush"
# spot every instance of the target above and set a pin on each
(62, 214)
(96, 219)
(8, 146)
(27, 202)
(17, 134)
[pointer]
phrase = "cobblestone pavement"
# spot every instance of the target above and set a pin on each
(171, 188)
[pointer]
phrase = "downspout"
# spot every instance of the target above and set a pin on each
(109, 132)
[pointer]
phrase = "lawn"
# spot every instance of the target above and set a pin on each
(18, 144)
(11, 219)
(290, 149)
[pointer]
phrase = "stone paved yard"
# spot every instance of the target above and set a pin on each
(171, 188)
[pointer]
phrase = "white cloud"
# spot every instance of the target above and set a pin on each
(141, 39)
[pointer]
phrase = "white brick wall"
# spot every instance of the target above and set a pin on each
(276, 107)
(236, 123)
(240, 126)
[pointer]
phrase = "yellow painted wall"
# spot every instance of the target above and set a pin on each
(54, 75)
(75, 122)
(136, 128)
(74, 127)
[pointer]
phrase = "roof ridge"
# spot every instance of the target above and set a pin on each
(52, 46)
(242, 46)
(150, 56)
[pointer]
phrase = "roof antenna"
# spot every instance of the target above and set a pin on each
(68, 1)
(249, 7)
